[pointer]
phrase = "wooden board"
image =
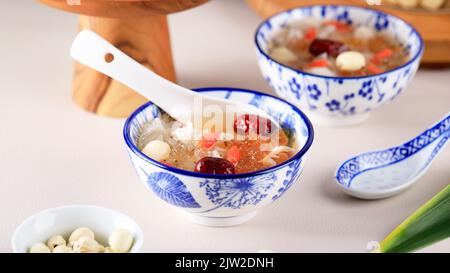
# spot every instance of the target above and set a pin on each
(434, 27)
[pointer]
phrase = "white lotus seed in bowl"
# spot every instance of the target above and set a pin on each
(80, 232)
(121, 240)
(350, 61)
(157, 149)
(86, 245)
(39, 248)
(62, 249)
(55, 241)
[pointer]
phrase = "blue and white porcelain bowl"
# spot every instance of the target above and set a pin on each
(222, 200)
(338, 100)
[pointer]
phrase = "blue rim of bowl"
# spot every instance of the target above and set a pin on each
(298, 155)
(412, 60)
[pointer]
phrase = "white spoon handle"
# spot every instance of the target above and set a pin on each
(180, 103)
(93, 51)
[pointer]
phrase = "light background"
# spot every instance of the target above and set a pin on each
(52, 153)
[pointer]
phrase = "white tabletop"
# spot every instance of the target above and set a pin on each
(52, 153)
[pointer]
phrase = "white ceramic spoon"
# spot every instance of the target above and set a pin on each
(180, 103)
(384, 173)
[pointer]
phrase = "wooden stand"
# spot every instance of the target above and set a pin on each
(433, 26)
(140, 29)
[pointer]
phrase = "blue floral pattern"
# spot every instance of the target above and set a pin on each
(366, 90)
(239, 192)
(295, 87)
(171, 189)
(314, 92)
(292, 174)
(349, 96)
(333, 105)
(382, 22)
(344, 17)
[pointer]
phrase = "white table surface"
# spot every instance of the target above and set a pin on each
(52, 153)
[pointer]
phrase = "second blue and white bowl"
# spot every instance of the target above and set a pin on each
(222, 200)
(338, 100)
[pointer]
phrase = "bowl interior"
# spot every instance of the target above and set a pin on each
(63, 220)
(290, 118)
(401, 31)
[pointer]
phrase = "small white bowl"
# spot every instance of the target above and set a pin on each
(63, 220)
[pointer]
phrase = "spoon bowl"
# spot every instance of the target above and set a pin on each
(384, 173)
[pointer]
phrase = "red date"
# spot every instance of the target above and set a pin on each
(214, 165)
(332, 48)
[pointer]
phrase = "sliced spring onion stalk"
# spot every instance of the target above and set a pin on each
(427, 225)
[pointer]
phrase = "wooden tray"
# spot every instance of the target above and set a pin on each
(137, 27)
(434, 27)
